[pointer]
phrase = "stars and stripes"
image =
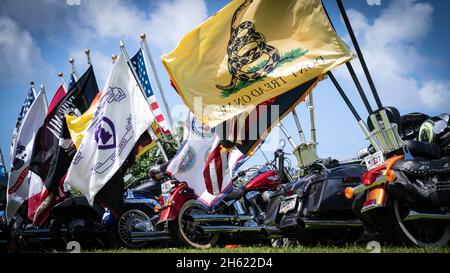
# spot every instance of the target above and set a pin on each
(25, 107)
(141, 69)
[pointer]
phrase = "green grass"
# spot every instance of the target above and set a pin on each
(319, 249)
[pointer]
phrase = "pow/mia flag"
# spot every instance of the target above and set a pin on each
(53, 149)
(121, 117)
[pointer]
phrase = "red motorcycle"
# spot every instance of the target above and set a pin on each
(241, 211)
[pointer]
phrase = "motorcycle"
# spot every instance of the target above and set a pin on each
(407, 196)
(313, 209)
(241, 212)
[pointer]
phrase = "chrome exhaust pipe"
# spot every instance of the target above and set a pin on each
(319, 224)
(228, 229)
(219, 218)
(149, 236)
(414, 215)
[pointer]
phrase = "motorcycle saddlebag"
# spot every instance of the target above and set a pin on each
(326, 192)
(422, 183)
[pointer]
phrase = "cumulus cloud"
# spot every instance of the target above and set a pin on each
(166, 23)
(20, 55)
(391, 45)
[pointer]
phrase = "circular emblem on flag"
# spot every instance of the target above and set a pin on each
(188, 160)
(201, 130)
(105, 134)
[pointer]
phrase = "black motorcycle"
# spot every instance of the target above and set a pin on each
(314, 209)
(407, 199)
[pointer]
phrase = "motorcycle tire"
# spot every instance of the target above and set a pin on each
(185, 233)
(72, 221)
(429, 234)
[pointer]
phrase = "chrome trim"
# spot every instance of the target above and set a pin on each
(319, 224)
(229, 229)
(220, 217)
(414, 215)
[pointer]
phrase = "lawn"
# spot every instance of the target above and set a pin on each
(319, 249)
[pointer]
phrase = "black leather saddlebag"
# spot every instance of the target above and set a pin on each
(423, 183)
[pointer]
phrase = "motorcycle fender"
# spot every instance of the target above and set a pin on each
(179, 196)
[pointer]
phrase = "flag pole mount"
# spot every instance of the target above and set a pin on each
(88, 55)
(61, 75)
(74, 69)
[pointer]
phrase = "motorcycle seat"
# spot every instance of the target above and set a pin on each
(424, 167)
(150, 186)
(423, 150)
(236, 193)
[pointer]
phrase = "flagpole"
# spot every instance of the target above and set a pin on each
(33, 89)
(145, 47)
(299, 126)
(150, 129)
(311, 117)
(63, 82)
(283, 129)
(45, 97)
(74, 69)
(88, 56)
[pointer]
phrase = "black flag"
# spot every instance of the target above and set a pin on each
(53, 150)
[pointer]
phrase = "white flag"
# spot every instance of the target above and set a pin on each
(121, 117)
(189, 164)
(18, 184)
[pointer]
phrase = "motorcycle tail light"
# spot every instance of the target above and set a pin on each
(371, 176)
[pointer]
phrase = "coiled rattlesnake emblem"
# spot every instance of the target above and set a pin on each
(249, 57)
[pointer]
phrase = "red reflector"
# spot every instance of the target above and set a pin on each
(369, 177)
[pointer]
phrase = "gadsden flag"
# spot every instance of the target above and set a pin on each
(252, 51)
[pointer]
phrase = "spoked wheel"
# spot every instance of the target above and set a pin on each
(422, 233)
(187, 232)
(127, 221)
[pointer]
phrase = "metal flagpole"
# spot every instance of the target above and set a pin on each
(63, 82)
(45, 97)
(145, 47)
(354, 112)
(74, 69)
(150, 129)
(360, 55)
(299, 126)
(33, 89)
(312, 119)
(283, 129)
(88, 56)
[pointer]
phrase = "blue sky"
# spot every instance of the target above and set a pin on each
(405, 43)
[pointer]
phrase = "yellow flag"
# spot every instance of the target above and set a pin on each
(77, 125)
(251, 51)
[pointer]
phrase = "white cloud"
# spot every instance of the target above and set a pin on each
(391, 45)
(20, 56)
(173, 19)
(165, 24)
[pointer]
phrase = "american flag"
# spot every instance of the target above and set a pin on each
(23, 112)
(139, 65)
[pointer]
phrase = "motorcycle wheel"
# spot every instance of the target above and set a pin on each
(185, 231)
(78, 225)
(428, 234)
(128, 219)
